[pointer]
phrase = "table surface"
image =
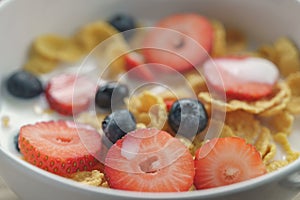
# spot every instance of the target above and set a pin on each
(7, 194)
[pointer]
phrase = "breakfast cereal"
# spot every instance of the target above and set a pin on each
(220, 45)
(54, 47)
(263, 142)
(93, 178)
(281, 122)
(284, 54)
(293, 81)
(94, 33)
(264, 124)
(281, 91)
(270, 154)
(145, 103)
(37, 64)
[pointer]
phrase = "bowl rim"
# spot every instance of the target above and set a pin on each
(205, 193)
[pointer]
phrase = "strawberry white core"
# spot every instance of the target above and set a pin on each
(257, 70)
(130, 147)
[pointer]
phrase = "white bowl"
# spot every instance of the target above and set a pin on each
(22, 21)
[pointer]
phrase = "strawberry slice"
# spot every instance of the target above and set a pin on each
(169, 103)
(69, 94)
(60, 147)
(136, 67)
(243, 78)
(149, 160)
(180, 41)
(224, 161)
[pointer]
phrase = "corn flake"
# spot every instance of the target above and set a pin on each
(281, 122)
(93, 178)
(219, 44)
(276, 164)
(294, 106)
(277, 108)
(114, 55)
(281, 139)
(140, 126)
(227, 132)
(244, 125)
(148, 109)
(284, 54)
(288, 60)
(189, 144)
(196, 81)
(268, 52)
(236, 41)
(280, 92)
(58, 48)
(293, 82)
(92, 34)
(262, 143)
(269, 156)
(5, 121)
(38, 64)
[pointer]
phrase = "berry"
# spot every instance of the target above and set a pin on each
(169, 103)
(185, 47)
(24, 85)
(224, 161)
(122, 22)
(243, 78)
(118, 124)
(16, 142)
(137, 68)
(149, 160)
(111, 94)
(60, 147)
(69, 94)
(187, 117)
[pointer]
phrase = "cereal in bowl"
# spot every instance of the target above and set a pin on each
(159, 141)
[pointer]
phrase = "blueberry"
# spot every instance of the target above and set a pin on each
(24, 85)
(118, 124)
(188, 117)
(111, 94)
(122, 22)
(16, 142)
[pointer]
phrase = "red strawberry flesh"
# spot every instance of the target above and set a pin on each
(69, 94)
(60, 147)
(137, 68)
(225, 161)
(245, 78)
(180, 41)
(149, 160)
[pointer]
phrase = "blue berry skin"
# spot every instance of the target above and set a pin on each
(118, 124)
(122, 22)
(188, 117)
(24, 85)
(111, 94)
(16, 142)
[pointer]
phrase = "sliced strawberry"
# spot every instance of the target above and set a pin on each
(133, 60)
(136, 67)
(180, 41)
(169, 103)
(225, 161)
(243, 78)
(149, 160)
(60, 147)
(69, 94)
